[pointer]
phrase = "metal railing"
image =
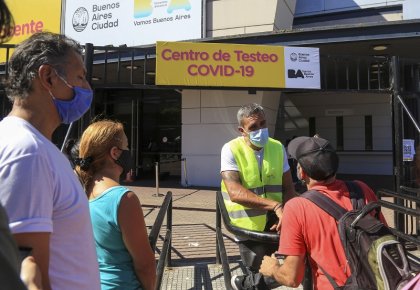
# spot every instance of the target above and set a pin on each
(165, 255)
(404, 205)
(345, 72)
(407, 111)
(123, 66)
(263, 237)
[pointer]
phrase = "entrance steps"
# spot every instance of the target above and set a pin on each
(197, 276)
(193, 249)
(208, 276)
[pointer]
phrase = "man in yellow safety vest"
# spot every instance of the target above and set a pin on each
(256, 182)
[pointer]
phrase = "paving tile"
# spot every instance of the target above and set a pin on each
(201, 276)
(193, 249)
(194, 235)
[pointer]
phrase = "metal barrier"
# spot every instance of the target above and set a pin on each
(157, 194)
(263, 237)
(184, 161)
(165, 255)
(405, 210)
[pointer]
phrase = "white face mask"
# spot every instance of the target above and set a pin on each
(259, 137)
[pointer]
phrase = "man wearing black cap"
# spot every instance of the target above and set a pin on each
(307, 229)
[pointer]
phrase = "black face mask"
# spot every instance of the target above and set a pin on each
(125, 162)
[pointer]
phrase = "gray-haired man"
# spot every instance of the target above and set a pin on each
(256, 182)
(46, 205)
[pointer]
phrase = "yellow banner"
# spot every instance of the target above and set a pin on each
(219, 64)
(32, 16)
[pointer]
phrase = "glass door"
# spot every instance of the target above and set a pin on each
(152, 122)
(161, 132)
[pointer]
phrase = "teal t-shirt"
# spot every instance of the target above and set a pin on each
(115, 262)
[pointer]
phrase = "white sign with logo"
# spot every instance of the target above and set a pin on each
(408, 150)
(302, 67)
(132, 22)
(411, 9)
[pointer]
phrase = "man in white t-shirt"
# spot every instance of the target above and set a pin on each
(256, 182)
(47, 207)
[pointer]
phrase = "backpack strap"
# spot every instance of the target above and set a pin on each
(325, 203)
(356, 195)
(333, 209)
(332, 281)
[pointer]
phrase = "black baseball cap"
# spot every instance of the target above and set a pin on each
(315, 155)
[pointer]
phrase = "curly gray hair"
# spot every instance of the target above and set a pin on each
(248, 110)
(41, 48)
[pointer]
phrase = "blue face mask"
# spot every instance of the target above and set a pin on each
(75, 108)
(259, 137)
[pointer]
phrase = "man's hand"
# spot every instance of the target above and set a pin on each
(31, 274)
(279, 214)
(269, 265)
(290, 273)
(40, 244)
(288, 193)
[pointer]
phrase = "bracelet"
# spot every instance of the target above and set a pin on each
(277, 206)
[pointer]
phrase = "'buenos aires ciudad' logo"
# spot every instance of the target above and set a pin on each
(80, 19)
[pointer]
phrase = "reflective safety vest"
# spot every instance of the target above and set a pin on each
(266, 184)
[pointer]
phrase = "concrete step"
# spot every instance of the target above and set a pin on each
(201, 276)
(193, 249)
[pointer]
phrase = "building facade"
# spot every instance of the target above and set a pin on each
(184, 128)
(357, 119)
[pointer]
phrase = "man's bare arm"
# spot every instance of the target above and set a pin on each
(288, 193)
(288, 187)
(239, 194)
(40, 244)
(289, 274)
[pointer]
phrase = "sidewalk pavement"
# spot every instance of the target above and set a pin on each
(193, 235)
(193, 220)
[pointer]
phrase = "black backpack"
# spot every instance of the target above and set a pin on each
(377, 260)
